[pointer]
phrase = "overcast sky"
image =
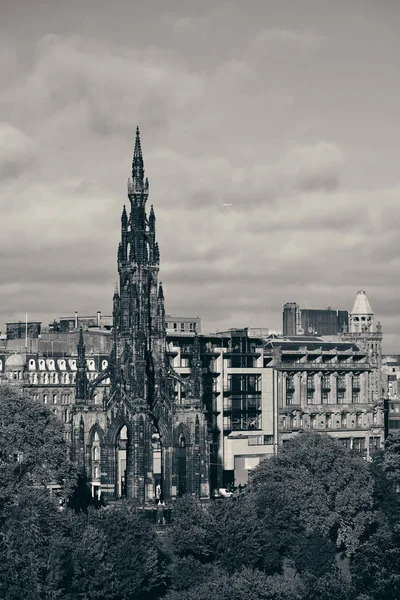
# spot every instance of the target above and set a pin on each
(287, 109)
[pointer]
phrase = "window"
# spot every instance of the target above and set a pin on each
(310, 383)
(341, 398)
(310, 396)
(255, 440)
(96, 453)
(55, 397)
(344, 421)
(359, 444)
(394, 424)
(374, 444)
(44, 398)
(326, 382)
(182, 326)
(268, 439)
(355, 396)
(175, 326)
(341, 382)
(290, 389)
(96, 472)
(191, 328)
(324, 396)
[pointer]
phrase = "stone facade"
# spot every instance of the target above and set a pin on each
(144, 444)
(325, 386)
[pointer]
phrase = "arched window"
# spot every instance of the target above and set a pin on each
(55, 398)
(96, 472)
(44, 398)
(96, 453)
(182, 441)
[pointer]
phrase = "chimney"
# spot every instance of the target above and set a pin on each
(98, 318)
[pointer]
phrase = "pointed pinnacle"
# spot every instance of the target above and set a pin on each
(124, 216)
(138, 146)
(161, 291)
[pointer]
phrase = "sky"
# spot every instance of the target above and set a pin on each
(287, 110)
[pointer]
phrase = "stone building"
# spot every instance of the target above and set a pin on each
(139, 442)
(325, 386)
(154, 411)
(368, 337)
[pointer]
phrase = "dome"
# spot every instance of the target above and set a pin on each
(16, 362)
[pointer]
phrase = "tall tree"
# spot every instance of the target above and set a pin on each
(33, 451)
(319, 486)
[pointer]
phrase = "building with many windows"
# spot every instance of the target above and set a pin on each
(154, 408)
(325, 386)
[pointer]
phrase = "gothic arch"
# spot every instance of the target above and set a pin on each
(182, 429)
(116, 427)
(96, 429)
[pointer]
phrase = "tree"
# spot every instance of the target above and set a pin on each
(318, 486)
(115, 554)
(240, 540)
(193, 529)
(33, 451)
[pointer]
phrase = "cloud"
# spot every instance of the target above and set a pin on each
(295, 229)
(17, 152)
(304, 39)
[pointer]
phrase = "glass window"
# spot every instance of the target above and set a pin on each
(341, 396)
(359, 444)
(255, 440)
(324, 396)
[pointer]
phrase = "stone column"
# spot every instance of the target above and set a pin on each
(333, 392)
(283, 379)
(303, 388)
(349, 388)
(317, 392)
(297, 388)
(364, 388)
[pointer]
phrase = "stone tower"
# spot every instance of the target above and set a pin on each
(368, 337)
(133, 445)
(362, 315)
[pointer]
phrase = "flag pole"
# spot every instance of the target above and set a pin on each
(26, 330)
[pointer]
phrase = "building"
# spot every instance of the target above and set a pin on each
(140, 443)
(175, 324)
(85, 321)
(152, 410)
(326, 387)
(391, 387)
(307, 321)
(368, 337)
(21, 330)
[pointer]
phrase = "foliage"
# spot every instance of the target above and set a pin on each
(193, 529)
(33, 450)
(187, 573)
(319, 486)
(241, 540)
